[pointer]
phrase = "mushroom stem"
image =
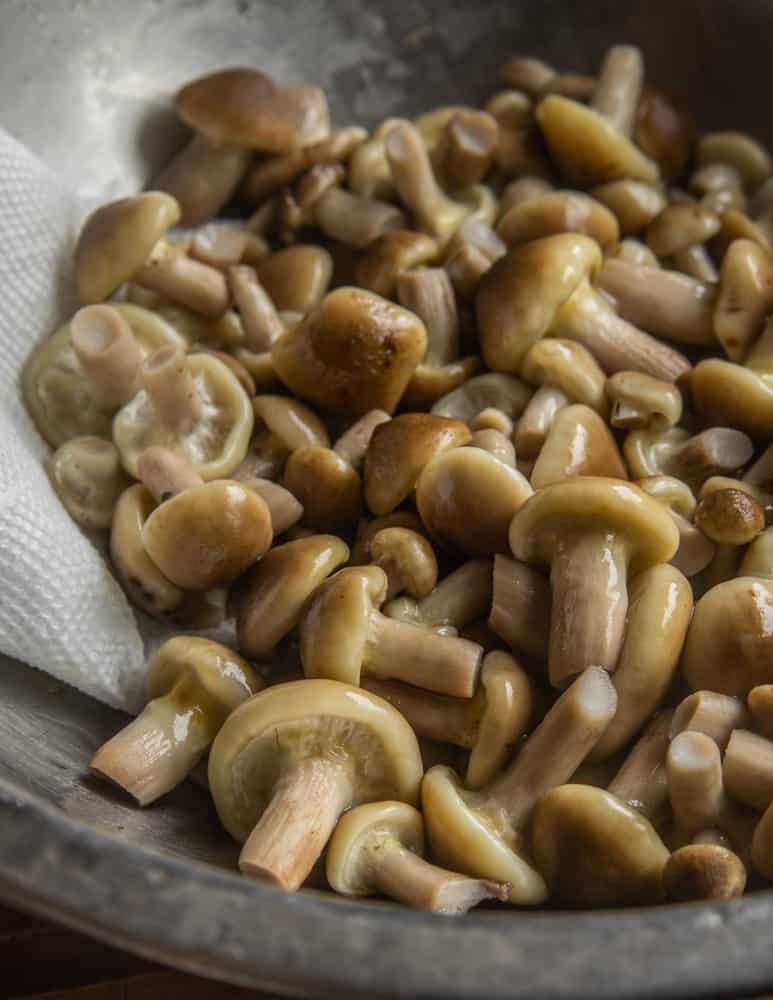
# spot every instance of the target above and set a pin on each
(760, 701)
(158, 749)
(167, 379)
(748, 769)
(520, 607)
(619, 86)
(695, 782)
(467, 147)
(537, 419)
(308, 800)
(496, 444)
(590, 603)
(696, 262)
(460, 597)
(165, 473)
(353, 444)
(433, 716)
(354, 220)
(261, 322)
(713, 714)
(108, 353)
(642, 781)
(444, 664)
(400, 874)
(202, 288)
(202, 177)
(284, 508)
(428, 292)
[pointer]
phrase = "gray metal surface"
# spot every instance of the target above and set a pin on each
(86, 83)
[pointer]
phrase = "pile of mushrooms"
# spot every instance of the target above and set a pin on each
(465, 425)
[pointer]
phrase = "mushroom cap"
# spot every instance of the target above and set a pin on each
(225, 677)
(570, 367)
(518, 298)
(408, 554)
(729, 516)
(634, 204)
(327, 486)
(88, 478)
(464, 839)
(731, 395)
(579, 443)
(467, 497)
(736, 149)
(559, 212)
(243, 107)
(587, 148)
(703, 871)
(291, 421)
(389, 254)
(490, 391)
(610, 505)
(334, 629)
(116, 240)
(367, 531)
(274, 593)
(215, 445)
(639, 400)
(681, 225)
(398, 452)
(593, 849)
(355, 352)
(729, 646)
(58, 394)
(208, 535)
(348, 864)
(310, 717)
(745, 296)
(296, 278)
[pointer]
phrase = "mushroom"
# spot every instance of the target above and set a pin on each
(87, 476)
(467, 498)
(369, 173)
(377, 849)
(762, 844)
(758, 478)
(729, 516)
(290, 761)
(634, 203)
(193, 406)
(695, 551)
(328, 487)
(495, 443)
(641, 781)
(521, 190)
(460, 598)
(634, 252)
(489, 724)
(296, 279)
(745, 297)
(408, 561)
(63, 400)
(747, 769)
(667, 303)
(191, 686)
(466, 147)
(368, 529)
(568, 366)
(760, 702)
(619, 86)
(355, 220)
(202, 177)
(593, 532)
(691, 458)
(505, 393)
(343, 634)
(283, 425)
(537, 419)
(639, 400)
(398, 452)
(354, 352)
(283, 507)
(594, 850)
(558, 212)
(715, 715)
(737, 150)
(470, 253)
(165, 473)
(720, 187)
(665, 131)
(543, 288)
(577, 86)
(219, 245)
(680, 226)
(274, 593)
(579, 443)
(526, 73)
(390, 255)
(109, 354)
(520, 607)
(480, 833)
(260, 319)
(703, 872)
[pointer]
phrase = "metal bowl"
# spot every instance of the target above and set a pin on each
(86, 85)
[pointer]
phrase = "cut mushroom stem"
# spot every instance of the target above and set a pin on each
(695, 783)
(202, 288)
(619, 87)
(713, 714)
(642, 781)
(108, 353)
(167, 379)
(428, 292)
(165, 473)
(468, 147)
(261, 322)
(748, 769)
(355, 220)
(353, 444)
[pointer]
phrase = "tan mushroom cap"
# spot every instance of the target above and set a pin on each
(579, 443)
(407, 559)
(327, 486)
(729, 516)
(634, 203)
(734, 395)
(736, 149)
(116, 240)
(493, 390)
(594, 850)
(296, 278)
(559, 212)
(88, 478)
(520, 295)
(745, 297)
(393, 252)
(315, 717)
(639, 400)
(398, 452)
(355, 352)
(208, 535)
(467, 498)
(570, 367)
(295, 424)
(681, 225)
(587, 148)
(274, 593)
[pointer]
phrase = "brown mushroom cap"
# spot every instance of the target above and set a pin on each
(664, 130)
(393, 252)
(681, 225)
(355, 352)
(88, 478)
(745, 297)
(559, 212)
(116, 240)
(703, 871)
(733, 395)
(579, 443)
(208, 535)
(407, 559)
(398, 452)
(570, 367)
(327, 486)
(729, 516)
(634, 204)
(736, 149)
(297, 278)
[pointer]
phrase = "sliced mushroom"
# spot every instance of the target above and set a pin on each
(87, 476)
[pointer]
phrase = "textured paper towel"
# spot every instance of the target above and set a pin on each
(60, 607)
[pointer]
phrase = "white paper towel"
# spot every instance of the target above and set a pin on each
(60, 607)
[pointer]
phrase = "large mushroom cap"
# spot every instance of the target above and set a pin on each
(579, 443)
(116, 240)
(355, 352)
(587, 148)
(347, 863)
(463, 840)
(326, 485)
(307, 718)
(604, 504)
(559, 212)
(731, 395)
(519, 296)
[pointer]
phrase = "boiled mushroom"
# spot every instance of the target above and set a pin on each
(634, 203)
(696, 551)
(408, 561)
(693, 458)
(639, 400)
(642, 781)
(282, 425)
(297, 278)
(461, 597)
(703, 872)
(520, 607)
(390, 255)
(87, 476)
(715, 715)
(558, 212)
(578, 444)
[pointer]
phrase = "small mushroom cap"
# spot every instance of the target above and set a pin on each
(594, 850)
(729, 516)
(559, 212)
(312, 718)
(367, 531)
(681, 225)
(389, 254)
(745, 297)
(729, 647)
(355, 352)
(703, 871)
(639, 400)
(116, 240)
(726, 394)
(736, 149)
(579, 443)
(587, 148)
(225, 677)
(409, 556)
(570, 367)
(274, 593)
(244, 107)
(329, 489)
(463, 839)
(467, 498)
(601, 504)
(400, 449)
(493, 390)
(297, 278)
(88, 478)
(208, 535)
(518, 298)
(335, 626)
(361, 828)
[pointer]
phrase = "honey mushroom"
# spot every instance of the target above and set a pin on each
(489, 724)
(505, 394)
(461, 597)
(389, 256)
(260, 320)
(642, 780)
(192, 685)
(693, 458)
(593, 532)
(578, 444)
(729, 516)
(641, 401)
(480, 832)
(703, 872)
(469, 254)
(291, 760)
(282, 425)
(696, 551)
(408, 561)
(344, 635)
(747, 769)
(87, 476)
(557, 212)
(633, 203)
(297, 278)
(760, 703)
(466, 148)
(715, 715)
(520, 607)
